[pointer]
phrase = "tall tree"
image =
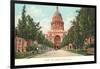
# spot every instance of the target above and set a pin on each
(32, 28)
(21, 28)
(27, 28)
(83, 27)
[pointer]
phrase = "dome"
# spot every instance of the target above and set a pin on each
(57, 13)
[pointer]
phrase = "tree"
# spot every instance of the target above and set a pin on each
(32, 28)
(87, 21)
(43, 40)
(21, 28)
(31, 48)
(27, 28)
(82, 27)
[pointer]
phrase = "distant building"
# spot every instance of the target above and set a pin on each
(21, 44)
(56, 33)
(89, 40)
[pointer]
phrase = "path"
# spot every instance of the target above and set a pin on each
(57, 53)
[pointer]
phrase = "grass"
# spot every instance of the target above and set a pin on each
(79, 51)
(30, 54)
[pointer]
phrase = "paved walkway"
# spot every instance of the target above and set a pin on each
(57, 53)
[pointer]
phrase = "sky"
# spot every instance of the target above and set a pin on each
(44, 14)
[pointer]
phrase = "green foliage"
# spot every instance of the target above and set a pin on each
(80, 51)
(31, 48)
(43, 40)
(28, 29)
(21, 28)
(20, 55)
(82, 27)
(32, 28)
(87, 21)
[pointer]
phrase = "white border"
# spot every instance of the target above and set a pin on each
(34, 61)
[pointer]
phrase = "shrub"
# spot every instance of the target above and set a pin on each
(20, 55)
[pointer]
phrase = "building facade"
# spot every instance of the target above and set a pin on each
(56, 32)
(21, 44)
